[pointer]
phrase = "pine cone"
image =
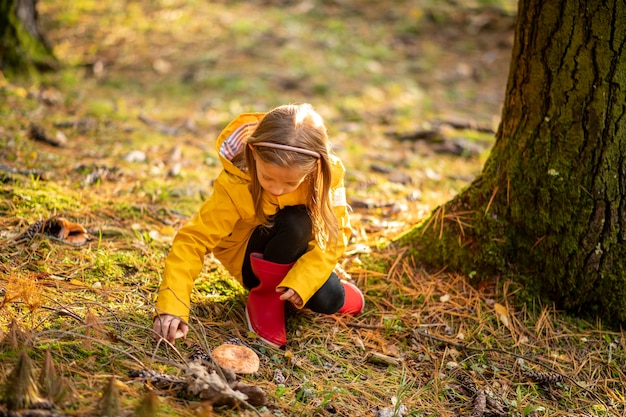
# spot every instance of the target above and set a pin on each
(544, 377)
(198, 354)
(466, 381)
(32, 231)
(480, 404)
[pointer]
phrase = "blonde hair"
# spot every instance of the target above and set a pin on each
(297, 126)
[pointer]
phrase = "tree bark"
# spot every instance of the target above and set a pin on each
(23, 49)
(549, 208)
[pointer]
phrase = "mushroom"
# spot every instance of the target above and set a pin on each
(236, 358)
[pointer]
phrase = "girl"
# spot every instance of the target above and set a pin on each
(277, 220)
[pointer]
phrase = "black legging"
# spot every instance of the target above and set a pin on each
(285, 242)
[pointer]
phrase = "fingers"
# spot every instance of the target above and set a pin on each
(289, 295)
(183, 328)
(161, 326)
(169, 327)
(296, 300)
(286, 293)
(172, 329)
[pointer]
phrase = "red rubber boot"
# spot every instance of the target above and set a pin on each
(355, 302)
(265, 310)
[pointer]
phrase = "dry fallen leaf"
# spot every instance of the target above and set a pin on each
(503, 313)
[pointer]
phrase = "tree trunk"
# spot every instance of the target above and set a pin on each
(549, 208)
(23, 49)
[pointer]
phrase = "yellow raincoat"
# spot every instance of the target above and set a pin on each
(224, 224)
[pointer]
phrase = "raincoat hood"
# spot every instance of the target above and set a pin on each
(232, 140)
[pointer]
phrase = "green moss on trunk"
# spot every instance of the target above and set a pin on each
(549, 207)
(21, 52)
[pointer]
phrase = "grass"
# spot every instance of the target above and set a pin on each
(162, 77)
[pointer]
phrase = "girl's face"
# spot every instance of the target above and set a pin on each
(278, 180)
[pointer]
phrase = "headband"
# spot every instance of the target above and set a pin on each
(288, 148)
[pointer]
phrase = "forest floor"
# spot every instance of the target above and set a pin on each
(120, 140)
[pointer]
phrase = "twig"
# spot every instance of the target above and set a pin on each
(25, 172)
(36, 133)
(64, 312)
(465, 125)
(365, 326)
(160, 126)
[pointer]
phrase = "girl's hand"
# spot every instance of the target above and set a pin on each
(169, 327)
(290, 295)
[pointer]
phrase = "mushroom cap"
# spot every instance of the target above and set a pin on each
(239, 359)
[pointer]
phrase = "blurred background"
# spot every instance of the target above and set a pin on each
(411, 89)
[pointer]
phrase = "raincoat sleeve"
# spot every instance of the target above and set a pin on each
(215, 220)
(312, 270)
